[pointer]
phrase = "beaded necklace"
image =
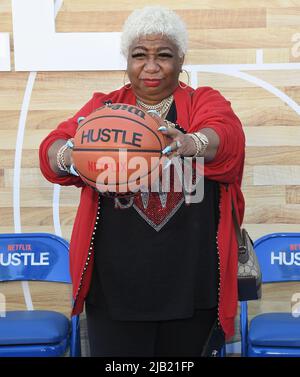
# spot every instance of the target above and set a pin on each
(162, 107)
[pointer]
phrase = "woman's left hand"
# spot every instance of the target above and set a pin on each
(179, 144)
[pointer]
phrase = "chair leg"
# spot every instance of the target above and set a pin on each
(223, 351)
(75, 344)
(244, 327)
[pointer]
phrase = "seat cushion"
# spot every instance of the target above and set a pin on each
(33, 327)
(275, 329)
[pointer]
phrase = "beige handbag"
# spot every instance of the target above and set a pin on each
(249, 272)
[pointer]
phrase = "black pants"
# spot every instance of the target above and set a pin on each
(177, 338)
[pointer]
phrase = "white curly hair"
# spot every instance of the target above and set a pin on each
(154, 20)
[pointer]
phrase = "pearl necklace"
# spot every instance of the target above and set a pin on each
(161, 107)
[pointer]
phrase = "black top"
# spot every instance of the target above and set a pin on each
(144, 274)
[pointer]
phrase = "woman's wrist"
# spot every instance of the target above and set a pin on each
(61, 161)
(201, 143)
(64, 158)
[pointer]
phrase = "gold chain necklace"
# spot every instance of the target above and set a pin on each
(162, 107)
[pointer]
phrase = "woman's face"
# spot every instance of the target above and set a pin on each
(153, 67)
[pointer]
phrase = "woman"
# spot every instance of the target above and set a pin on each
(158, 276)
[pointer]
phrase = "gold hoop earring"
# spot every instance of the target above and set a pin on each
(126, 86)
(188, 77)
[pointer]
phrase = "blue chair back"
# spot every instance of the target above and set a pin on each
(279, 258)
(34, 256)
(39, 257)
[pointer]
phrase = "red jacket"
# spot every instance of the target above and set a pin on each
(196, 109)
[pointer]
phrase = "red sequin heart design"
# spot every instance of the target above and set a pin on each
(160, 207)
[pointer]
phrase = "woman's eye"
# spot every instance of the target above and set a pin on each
(138, 55)
(165, 55)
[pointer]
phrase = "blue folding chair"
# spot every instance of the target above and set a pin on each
(40, 257)
(274, 334)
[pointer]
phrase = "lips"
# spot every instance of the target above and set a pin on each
(151, 82)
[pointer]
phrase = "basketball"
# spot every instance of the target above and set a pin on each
(117, 149)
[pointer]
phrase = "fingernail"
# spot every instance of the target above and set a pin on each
(80, 119)
(162, 128)
(168, 149)
(154, 112)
